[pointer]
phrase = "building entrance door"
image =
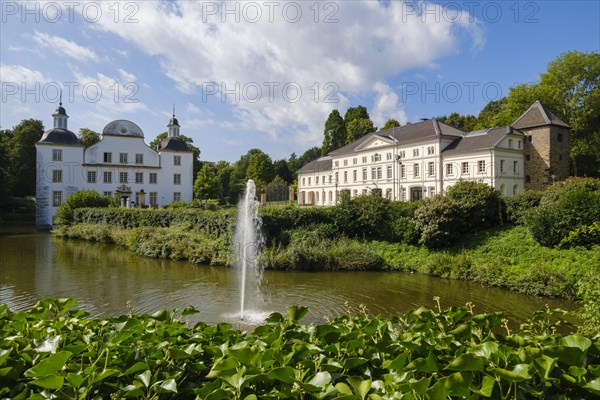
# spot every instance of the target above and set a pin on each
(416, 193)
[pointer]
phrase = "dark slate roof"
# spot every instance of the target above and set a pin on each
(480, 140)
(60, 136)
(60, 110)
(538, 115)
(407, 133)
(173, 121)
(174, 144)
(321, 164)
(122, 127)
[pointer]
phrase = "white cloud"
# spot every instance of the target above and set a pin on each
(386, 106)
(21, 75)
(371, 42)
(126, 76)
(64, 47)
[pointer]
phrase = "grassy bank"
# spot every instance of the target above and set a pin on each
(504, 257)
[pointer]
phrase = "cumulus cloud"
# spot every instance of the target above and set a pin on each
(284, 65)
(64, 47)
(21, 75)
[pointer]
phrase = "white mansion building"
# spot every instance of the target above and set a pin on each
(121, 164)
(426, 158)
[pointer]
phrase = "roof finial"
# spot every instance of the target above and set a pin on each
(173, 110)
(60, 98)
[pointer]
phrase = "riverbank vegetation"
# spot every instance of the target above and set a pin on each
(56, 351)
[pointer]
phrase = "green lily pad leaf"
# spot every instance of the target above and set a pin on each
(161, 315)
(487, 387)
(581, 342)
(274, 318)
(321, 379)
(53, 382)
(545, 365)
(189, 310)
(144, 377)
(466, 362)
(75, 380)
(167, 386)
(296, 313)
(50, 365)
(105, 374)
(282, 374)
(343, 389)
(593, 386)
(50, 345)
(361, 387)
(354, 362)
(137, 367)
(397, 364)
(518, 374)
(421, 386)
(485, 350)
(222, 367)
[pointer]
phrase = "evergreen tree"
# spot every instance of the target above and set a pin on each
(334, 133)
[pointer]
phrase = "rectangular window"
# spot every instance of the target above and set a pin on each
(330, 178)
(510, 143)
(379, 173)
(355, 175)
(107, 194)
(57, 175)
(107, 157)
(107, 176)
(139, 177)
(364, 160)
(449, 169)
(337, 177)
(403, 194)
(515, 167)
(518, 144)
(402, 154)
(373, 173)
(56, 198)
(345, 176)
(403, 171)
(529, 138)
(317, 180)
(389, 172)
(415, 152)
(431, 168)
(431, 150)
(527, 157)
(560, 137)
(122, 177)
(91, 176)
(501, 165)
(354, 161)
(153, 177)
(465, 167)
(416, 170)
(431, 191)
(177, 196)
(527, 178)
(303, 181)
(388, 156)
(364, 174)
(337, 164)
(56, 154)
(177, 179)
(345, 163)
(123, 158)
(481, 166)
(153, 199)
(176, 160)
(309, 181)
(139, 158)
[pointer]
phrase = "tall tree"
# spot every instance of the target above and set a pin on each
(88, 137)
(358, 112)
(390, 123)
(224, 171)
(237, 182)
(334, 135)
(357, 128)
(21, 153)
(6, 181)
(162, 136)
(260, 169)
(206, 185)
(281, 169)
(465, 123)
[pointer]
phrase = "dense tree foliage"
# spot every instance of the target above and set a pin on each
(390, 123)
(334, 133)
(88, 137)
(465, 123)
(358, 128)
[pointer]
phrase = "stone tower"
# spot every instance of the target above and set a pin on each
(546, 147)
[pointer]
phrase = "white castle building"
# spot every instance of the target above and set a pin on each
(421, 160)
(121, 165)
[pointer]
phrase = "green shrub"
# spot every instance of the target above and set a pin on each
(564, 210)
(79, 199)
(585, 236)
(519, 205)
(467, 207)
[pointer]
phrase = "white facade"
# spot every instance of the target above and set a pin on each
(415, 161)
(120, 165)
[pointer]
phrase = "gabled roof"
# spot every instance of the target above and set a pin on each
(60, 137)
(321, 164)
(537, 115)
(480, 140)
(174, 144)
(420, 131)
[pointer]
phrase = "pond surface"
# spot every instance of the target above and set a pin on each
(109, 281)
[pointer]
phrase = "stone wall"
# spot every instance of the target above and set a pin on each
(546, 156)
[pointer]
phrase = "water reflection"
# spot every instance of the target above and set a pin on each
(105, 279)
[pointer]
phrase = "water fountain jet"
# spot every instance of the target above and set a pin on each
(248, 242)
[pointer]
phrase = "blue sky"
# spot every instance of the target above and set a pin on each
(245, 74)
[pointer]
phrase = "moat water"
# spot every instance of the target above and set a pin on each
(110, 281)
